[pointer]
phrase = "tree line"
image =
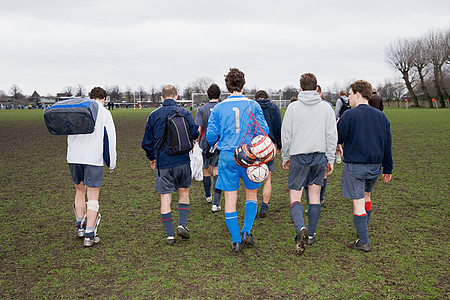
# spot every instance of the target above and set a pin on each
(423, 63)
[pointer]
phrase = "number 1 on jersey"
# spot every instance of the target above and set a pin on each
(238, 127)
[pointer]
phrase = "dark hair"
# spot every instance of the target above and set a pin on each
(342, 93)
(169, 92)
(235, 80)
(308, 82)
(213, 91)
(363, 87)
(261, 95)
(97, 93)
(319, 89)
(293, 99)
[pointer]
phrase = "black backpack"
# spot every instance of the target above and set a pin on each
(345, 106)
(177, 137)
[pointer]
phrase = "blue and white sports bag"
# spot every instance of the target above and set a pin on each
(73, 116)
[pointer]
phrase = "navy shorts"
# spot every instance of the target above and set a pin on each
(358, 179)
(301, 175)
(213, 160)
(271, 165)
(91, 176)
(172, 179)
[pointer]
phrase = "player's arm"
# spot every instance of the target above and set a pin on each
(286, 136)
(212, 134)
(148, 141)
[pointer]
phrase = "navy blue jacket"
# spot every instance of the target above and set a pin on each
(366, 134)
(154, 131)
(273, 118)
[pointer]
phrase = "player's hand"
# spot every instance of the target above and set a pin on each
(339, 149)
(330, 169)
(111, 170)
(153, 164)
(286, 164)
(386, 177)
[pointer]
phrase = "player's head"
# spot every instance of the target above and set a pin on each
(169, 92)
(362, 87)
(261, 95)
(342, 93)
(213, 91)
(308, 82)
(97, 93)
(235, 80)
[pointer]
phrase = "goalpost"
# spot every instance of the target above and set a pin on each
(201, 98)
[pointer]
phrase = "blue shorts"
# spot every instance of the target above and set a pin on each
(230, 172)
(91, 176)
(358, 179)
(172, 179)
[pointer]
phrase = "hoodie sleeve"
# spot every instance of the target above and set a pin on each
(338, 108)
(331, 137)
(286, 134)
(388, 163)
(148, 141)
(277, 128)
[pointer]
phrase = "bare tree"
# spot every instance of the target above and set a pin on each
(438, 55)
(399, 55)
(201, 84)
(420, 62)
(68, 90)
(80, 90)
(114, 93)
(289, 92)
(16, 92)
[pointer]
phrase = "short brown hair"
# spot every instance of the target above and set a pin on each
(261, 95)
(169, 92)
(235, 80)
(308, 82)
(97, 93)
(363, 87)
(213, 91)
(342, 93)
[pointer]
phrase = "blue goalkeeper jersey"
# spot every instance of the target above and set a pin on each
(230, 121)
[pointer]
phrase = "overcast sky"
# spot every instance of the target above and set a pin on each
(48, 45)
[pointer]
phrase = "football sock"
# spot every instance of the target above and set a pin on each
(323, 189)
(251, 208)
(231, 220)
(79, 220)
(89, 229)
(368, 211)
(297, 215)
(360, 222)
(183, 213)
(264, 207)
(217, 193)
(167, 222)
(207, 185)
(313, 217)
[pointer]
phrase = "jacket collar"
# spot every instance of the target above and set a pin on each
(169, 102)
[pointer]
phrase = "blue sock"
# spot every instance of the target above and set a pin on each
(323, 189)
(361, 228)
(217, 193)
(183, 213)
(251, 208)
(313, 217)
(231, 220)
(167, 222)
(207, 185)
(297, 215)
(264, 207)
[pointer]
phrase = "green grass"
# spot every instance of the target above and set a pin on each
(42, 258)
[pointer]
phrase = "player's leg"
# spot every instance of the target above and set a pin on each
(167, 217)
(250, 208)
(231, 219)
(266, 194)
(217, 192)
(323, 189)
(296, 210)
(305, 188)
(314, 207)
(207, 172)
(93, 180)
(360, 222)
(79, 208)
(183, 213)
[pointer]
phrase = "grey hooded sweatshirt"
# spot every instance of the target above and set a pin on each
(309, 126)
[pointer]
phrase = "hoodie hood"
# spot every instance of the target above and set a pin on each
(264, 103)
(309, 97)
